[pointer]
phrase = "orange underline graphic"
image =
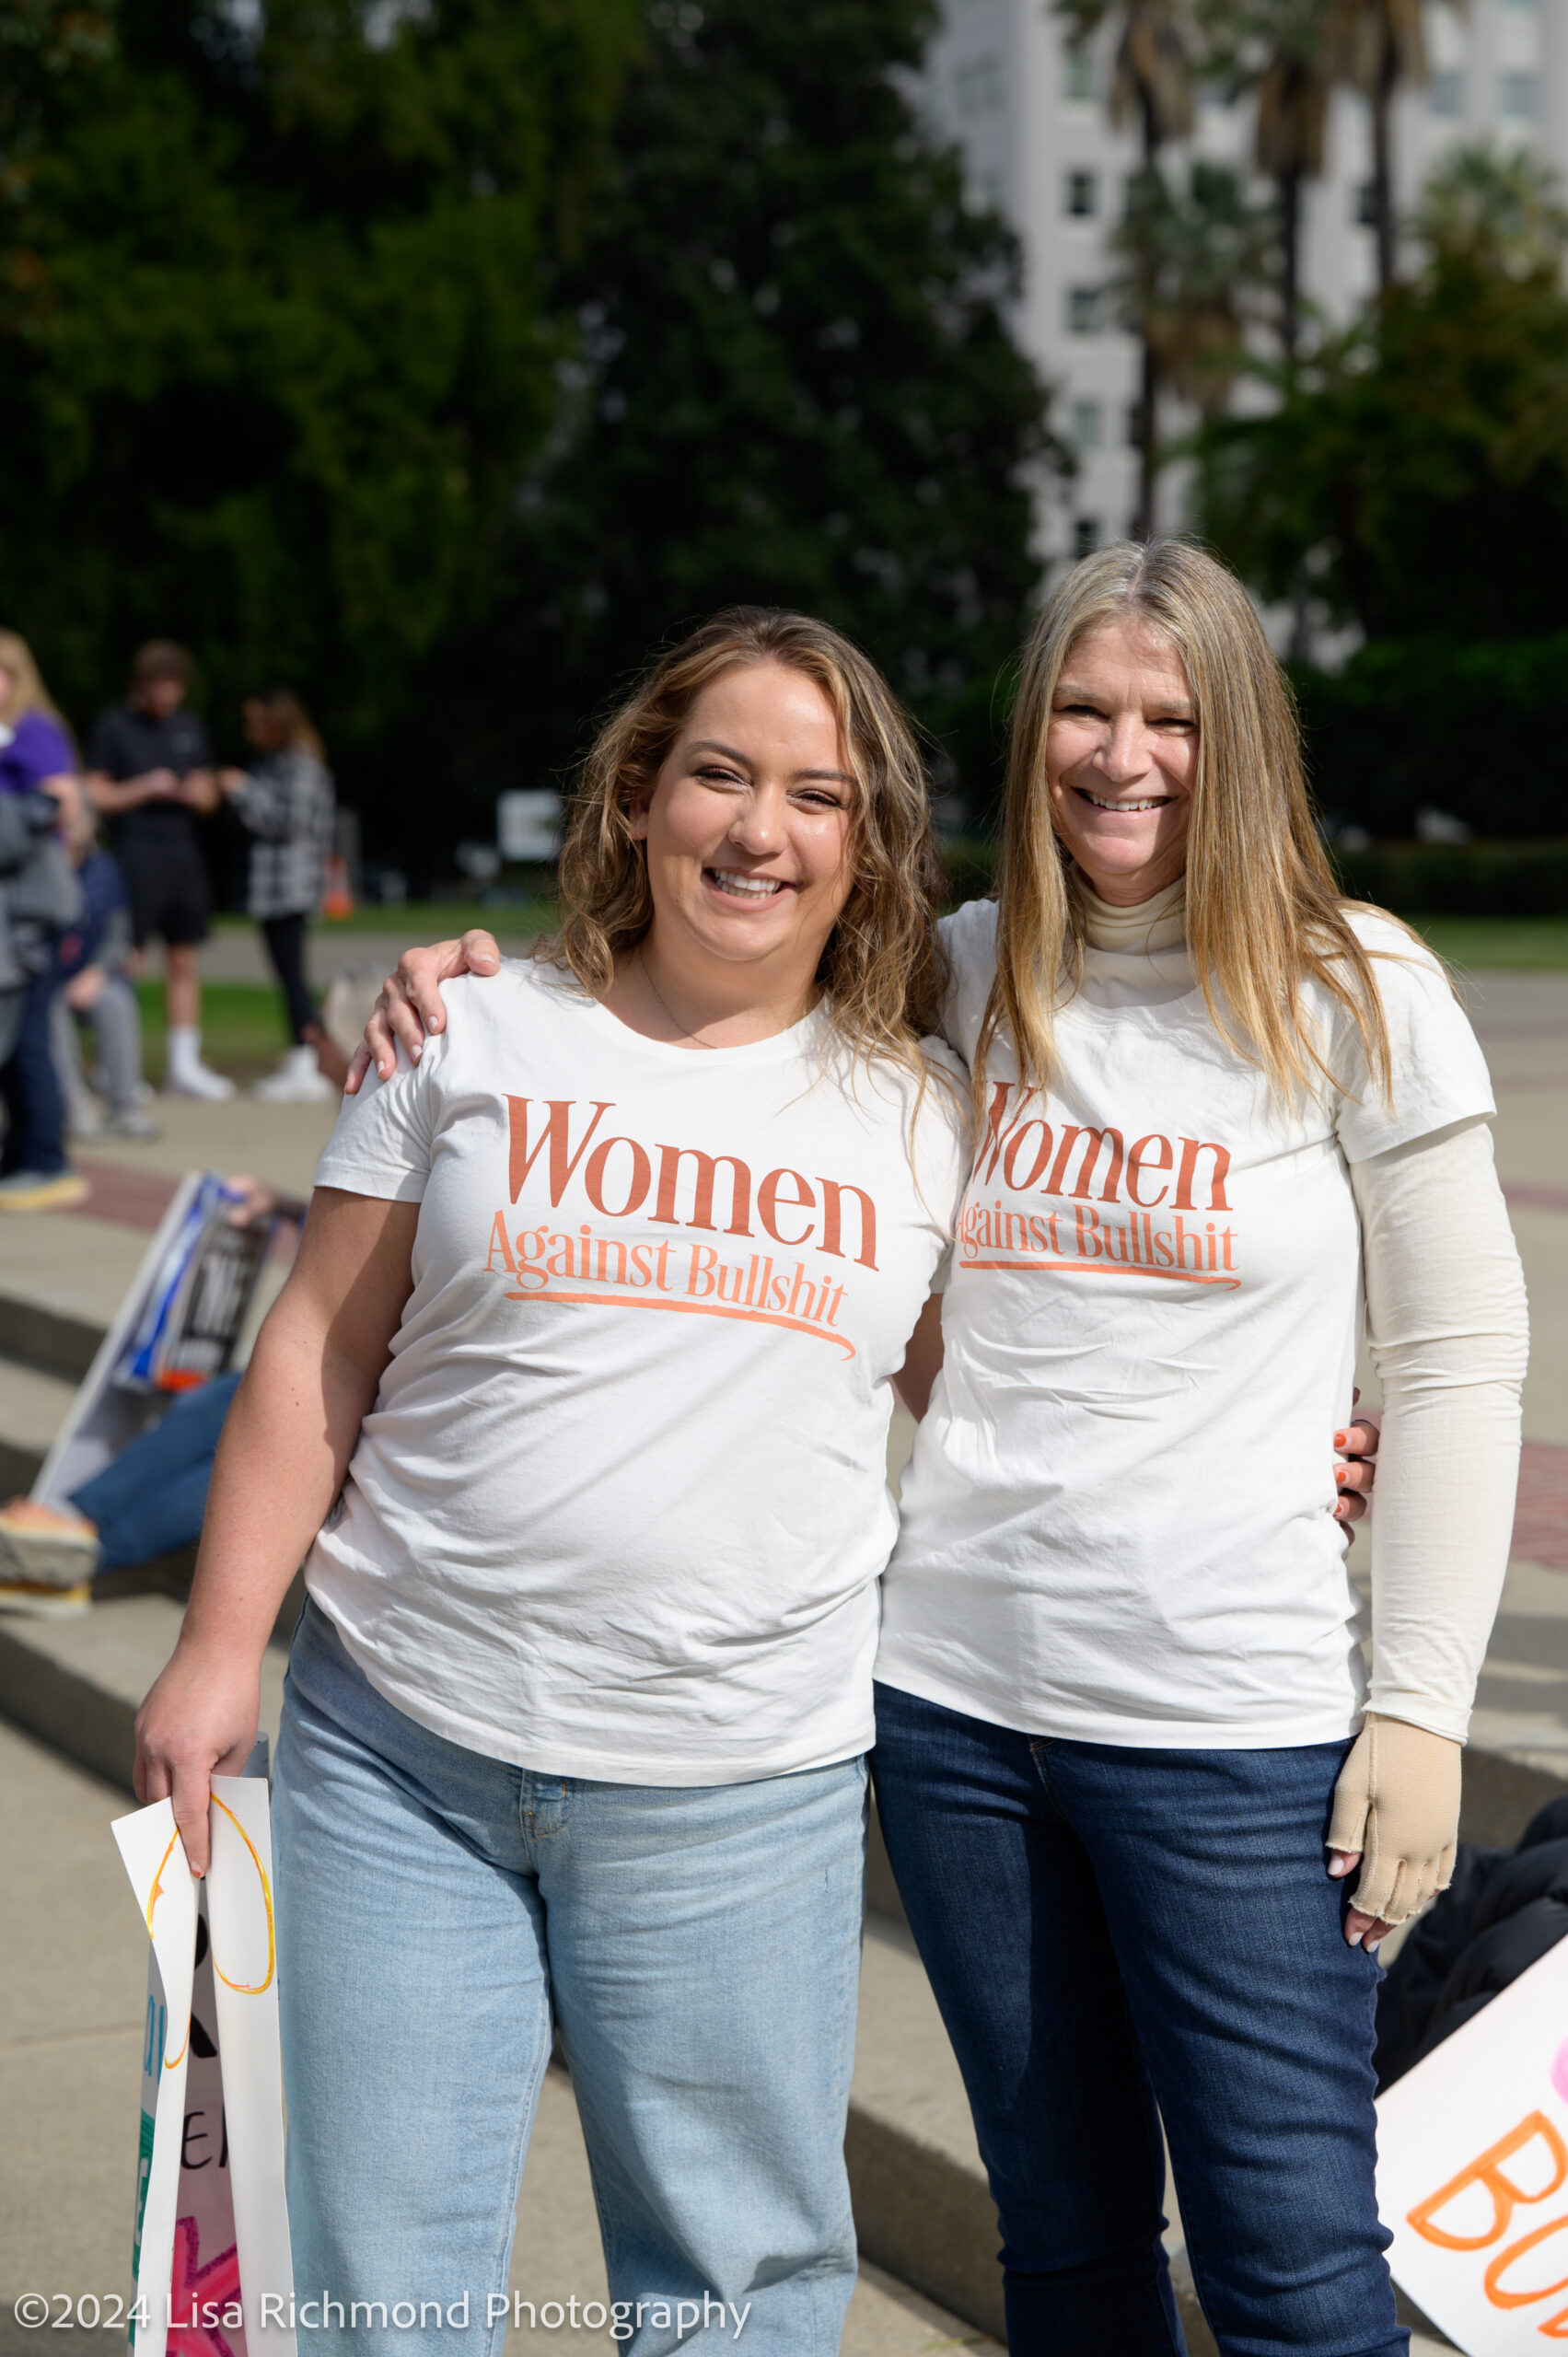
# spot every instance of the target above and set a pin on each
(1109, 1268)
(690, 1310)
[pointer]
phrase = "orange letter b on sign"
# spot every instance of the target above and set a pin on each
(1488, 2172)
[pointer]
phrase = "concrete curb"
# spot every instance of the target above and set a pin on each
(50, 1339)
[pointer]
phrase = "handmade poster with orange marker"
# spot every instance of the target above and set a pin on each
(1473, 2171)
(211, 2254)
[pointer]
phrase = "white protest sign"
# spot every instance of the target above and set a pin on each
(239, 1902)
(150, 1846)
(212, 2260)
(1472, 2172)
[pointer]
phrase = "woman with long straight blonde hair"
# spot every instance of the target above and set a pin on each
(1128, 1757)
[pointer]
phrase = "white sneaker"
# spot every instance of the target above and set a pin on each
(198, 1080)
(297, 1081)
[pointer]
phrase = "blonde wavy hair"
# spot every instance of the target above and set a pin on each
(1264, 913)
(882, 972)
(28, 693)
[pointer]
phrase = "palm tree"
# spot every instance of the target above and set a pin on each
(1376, 45)
(1500, 214)
(1200, 270)
(1151, 83)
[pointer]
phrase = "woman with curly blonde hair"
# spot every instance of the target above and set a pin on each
(577, 1405)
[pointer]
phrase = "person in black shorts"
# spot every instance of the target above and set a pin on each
(150, 774)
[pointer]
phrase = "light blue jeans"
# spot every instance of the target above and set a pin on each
(700, 1949)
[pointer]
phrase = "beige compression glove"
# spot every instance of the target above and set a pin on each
(1397, 1803)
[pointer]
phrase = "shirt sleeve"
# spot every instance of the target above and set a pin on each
(264, 804)
(944, 1147)
(1439, 1072)
(41, 750)
(968, 940)
(383, 1139)
(1448, 1330)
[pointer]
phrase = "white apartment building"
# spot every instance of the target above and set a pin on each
(1027, 111)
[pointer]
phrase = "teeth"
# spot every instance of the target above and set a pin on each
(749, 888)
(1158, 803)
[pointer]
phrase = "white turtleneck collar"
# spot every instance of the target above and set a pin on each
(1157, 924)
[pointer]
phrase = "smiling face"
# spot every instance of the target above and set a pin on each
(1121, 759)
(749, 826)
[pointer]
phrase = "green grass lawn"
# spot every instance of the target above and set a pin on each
(1540, 943)
(425, 920)
(243, 1030)
(244, 1033)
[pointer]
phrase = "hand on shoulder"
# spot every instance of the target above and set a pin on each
(410, 1009)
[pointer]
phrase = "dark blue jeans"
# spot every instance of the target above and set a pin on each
(30, 1088)
(151, 1500)
(1108, 1929)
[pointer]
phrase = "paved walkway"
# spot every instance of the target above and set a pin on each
(73, 1964)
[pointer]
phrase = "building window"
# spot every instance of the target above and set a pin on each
(1134, 426)
(1366, 204)
(1079, 74)
(1083, 309)
(1447, 92)
(1085, 535)
(1517, 98)
(1088, 424)
(977, 87)
(1082, 195)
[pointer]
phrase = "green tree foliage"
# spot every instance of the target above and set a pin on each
(295, 340)
(443, 355)
(795, 386)
(1417, 466)
(1416, 473)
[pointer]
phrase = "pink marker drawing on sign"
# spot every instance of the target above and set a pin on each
(1560, 2070)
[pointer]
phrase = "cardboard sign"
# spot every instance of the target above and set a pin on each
(177, 1324)
(211, 2251)
(1472, 2173)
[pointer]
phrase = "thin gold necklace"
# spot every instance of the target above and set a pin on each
(711, 1045)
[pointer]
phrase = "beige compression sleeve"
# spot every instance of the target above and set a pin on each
(1448, 1332)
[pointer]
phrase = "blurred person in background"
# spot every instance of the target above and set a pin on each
(40, 794)
(287, 804)
(148, 1502)
(91, 959)
(150, 774)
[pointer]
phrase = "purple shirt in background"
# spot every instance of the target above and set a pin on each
(38, 748)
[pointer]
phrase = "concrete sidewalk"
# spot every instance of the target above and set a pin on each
(73, 1964)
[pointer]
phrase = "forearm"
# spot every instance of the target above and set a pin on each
(1447, 1319)
(109, 796)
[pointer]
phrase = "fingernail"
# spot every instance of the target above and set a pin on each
(1372, 1946)
(1341, 1440)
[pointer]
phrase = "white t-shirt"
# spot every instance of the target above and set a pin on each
(1118, 1521)
(619, 1508)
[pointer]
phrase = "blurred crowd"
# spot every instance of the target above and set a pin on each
(101, 857)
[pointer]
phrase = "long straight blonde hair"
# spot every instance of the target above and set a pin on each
(28, 693)
(1264, 913)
